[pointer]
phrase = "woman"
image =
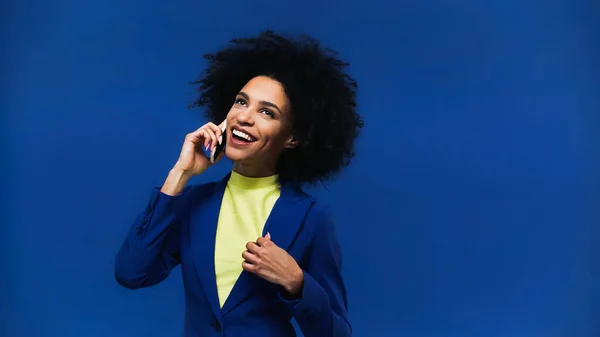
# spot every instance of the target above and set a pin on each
(255, 250)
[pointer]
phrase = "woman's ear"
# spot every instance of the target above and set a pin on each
(291, 143)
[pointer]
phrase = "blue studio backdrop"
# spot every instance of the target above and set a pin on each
(470, 210)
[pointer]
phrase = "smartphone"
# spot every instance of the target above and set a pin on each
(214, 154)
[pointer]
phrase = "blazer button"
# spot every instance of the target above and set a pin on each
(139, 230)
(144, 220)
(218, 327)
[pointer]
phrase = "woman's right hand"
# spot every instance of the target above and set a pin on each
(192, 159)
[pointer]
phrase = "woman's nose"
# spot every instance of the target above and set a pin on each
(246, 117)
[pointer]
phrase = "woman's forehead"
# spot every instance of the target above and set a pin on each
(262, 88)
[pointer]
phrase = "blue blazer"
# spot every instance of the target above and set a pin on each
(180, 230)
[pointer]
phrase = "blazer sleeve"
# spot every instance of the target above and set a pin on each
(151, 249)
(322, 309)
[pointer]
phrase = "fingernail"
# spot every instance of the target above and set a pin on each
(268, 236)
(208, 146)
(220, 140)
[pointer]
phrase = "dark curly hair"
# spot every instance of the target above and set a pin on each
(321, 93)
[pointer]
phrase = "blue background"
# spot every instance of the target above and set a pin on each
(471, 209)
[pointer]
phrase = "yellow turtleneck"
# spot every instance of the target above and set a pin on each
(246, 205)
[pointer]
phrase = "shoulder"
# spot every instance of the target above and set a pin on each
(319, 211)
(196, 193)
(203, 189)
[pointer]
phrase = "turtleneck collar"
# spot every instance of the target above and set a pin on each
(238, 181)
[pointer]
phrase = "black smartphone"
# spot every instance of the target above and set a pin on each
(214, 154)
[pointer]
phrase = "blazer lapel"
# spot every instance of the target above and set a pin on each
(283, 223)
(202, 236)
(287, 216)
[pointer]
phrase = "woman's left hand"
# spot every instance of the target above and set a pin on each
(265, 259)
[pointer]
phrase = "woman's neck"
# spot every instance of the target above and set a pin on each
(252, 171)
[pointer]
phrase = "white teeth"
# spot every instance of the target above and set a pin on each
(243, 135)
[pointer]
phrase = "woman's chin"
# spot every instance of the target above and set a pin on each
(236, 155)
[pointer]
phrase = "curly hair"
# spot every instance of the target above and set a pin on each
(322, 97)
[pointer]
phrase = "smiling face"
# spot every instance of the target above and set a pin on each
(259, 127)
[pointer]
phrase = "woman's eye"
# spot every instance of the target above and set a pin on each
(240, 101)
(268, 113)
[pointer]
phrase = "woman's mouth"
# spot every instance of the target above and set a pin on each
(241, 137)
